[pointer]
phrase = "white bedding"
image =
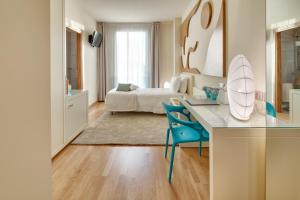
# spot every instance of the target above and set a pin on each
(140, 100)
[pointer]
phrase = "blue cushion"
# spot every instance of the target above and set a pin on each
(124, 87)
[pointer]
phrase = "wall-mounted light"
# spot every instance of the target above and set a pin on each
(166, 84)
(285, 25)
(75, 26)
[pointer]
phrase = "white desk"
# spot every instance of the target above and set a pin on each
(244, 156)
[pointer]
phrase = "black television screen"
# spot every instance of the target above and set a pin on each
(95, 39)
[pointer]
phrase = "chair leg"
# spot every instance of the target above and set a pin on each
(200, 148)
(171, 162)
(167, 142)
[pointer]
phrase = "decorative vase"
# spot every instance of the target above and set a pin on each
(223, 97)
(241, 88)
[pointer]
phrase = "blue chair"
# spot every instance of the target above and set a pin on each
(183, 131)
(271, 110)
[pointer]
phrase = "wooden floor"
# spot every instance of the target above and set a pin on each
(283, 116)
(108, 172)
(95, 111)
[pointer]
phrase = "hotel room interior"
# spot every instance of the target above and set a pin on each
(140, 99)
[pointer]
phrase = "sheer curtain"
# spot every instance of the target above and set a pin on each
(129, 54)
(132, 58)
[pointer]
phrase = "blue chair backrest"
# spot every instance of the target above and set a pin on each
(179, 109)
(169, 108)
(174, 120)
(270, 109)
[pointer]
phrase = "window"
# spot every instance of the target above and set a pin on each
(132, 58)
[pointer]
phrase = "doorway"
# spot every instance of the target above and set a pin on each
(287, 74)
(73, 59)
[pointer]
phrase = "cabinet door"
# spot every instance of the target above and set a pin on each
(76, 117)
(296, 108)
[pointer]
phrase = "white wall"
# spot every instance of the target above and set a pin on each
(166, 47)
(25, 168)
(282, 10)
(170, 51)
(73, 11)
(245, 35)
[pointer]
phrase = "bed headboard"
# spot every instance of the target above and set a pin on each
(191, 82)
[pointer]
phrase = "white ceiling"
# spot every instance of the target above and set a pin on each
(134, 10)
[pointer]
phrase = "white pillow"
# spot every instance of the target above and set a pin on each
(133, 87)
(183, 84)
(175, 83)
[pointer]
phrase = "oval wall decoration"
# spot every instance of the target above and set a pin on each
(204, 25)
(241, 88)
(206, 15)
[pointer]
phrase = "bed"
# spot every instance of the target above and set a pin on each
(143, 99)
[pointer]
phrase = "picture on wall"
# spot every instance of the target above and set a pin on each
(203, 39)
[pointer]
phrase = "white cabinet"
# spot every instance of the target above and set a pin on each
(76, 115)
(295, 105)
(68, 113)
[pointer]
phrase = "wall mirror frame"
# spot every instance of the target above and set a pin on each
(73, 54)
(279, 33)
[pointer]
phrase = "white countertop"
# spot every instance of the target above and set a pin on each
(75, 92)
(295, 90)
(218, 116)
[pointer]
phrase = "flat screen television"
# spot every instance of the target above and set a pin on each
(95, 39)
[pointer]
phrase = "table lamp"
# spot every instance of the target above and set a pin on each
(240, 87)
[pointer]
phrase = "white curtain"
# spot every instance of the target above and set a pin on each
(129, 54)
(101, 66)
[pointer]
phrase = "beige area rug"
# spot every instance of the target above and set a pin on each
(125, 128)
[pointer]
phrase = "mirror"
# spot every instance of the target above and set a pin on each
(73, 59)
